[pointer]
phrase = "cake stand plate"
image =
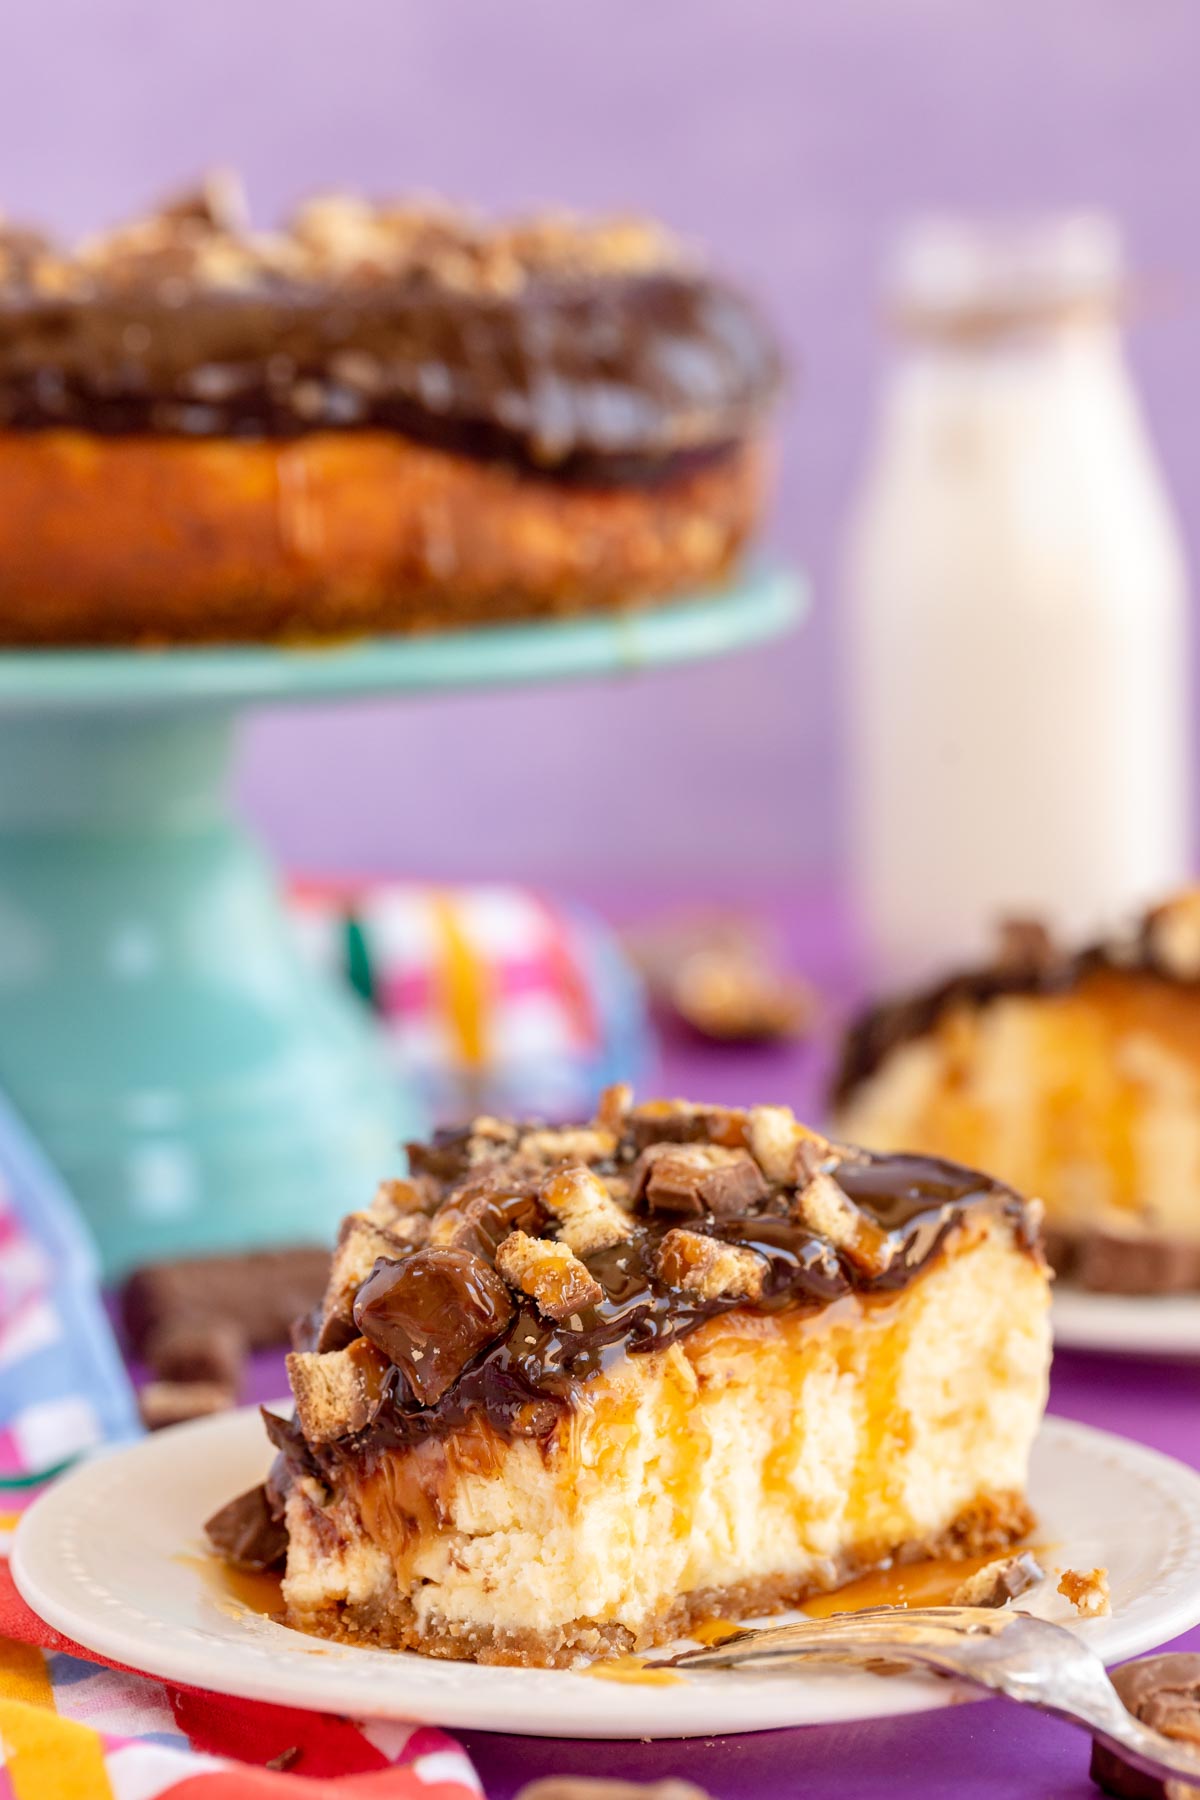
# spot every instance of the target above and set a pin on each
(198, 1084)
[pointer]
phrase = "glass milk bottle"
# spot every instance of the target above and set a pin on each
(1017, 660)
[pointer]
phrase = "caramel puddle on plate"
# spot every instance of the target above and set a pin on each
(931, 1583)
(714, 1631)
(633, 1669)
(236, 1592)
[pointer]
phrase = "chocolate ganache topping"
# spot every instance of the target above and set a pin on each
(594, 351)
(1162, 944)
(519, 1261)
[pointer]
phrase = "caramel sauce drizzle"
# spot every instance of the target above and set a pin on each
(634, 1671)
(237, 1592)
(524, 1380)
(933, 1582)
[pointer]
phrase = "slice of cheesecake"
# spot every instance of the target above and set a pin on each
(571, 1391)
(1074, 1075)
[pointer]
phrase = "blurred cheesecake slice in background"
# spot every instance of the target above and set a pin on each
(1073, 1075)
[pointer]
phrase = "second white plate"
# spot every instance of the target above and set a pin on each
(107, 1555)
(1127, 1324)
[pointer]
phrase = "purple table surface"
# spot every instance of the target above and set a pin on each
(979, 1751)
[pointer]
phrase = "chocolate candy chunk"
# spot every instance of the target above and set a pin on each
(481, 1218)
(1110, 1264)
(247, 1533)
(260, 1292)
(198, 1350)
(1164, 1693)
(690, 1179)
(289, 1441)
(733, 1186)
(1001, 1581)
(679, 1122)
(163, 1403)
(431, 1314)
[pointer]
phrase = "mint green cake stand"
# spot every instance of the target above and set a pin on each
(201, 1086)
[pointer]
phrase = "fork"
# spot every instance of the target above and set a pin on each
(1005, 1652)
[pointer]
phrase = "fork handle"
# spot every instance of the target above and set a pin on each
(1098, 1710)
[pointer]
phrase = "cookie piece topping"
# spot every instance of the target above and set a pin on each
(519, 1258)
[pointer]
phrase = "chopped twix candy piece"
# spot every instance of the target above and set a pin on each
(259, 1292)
(681, 1122)
(454, 1154)
(1087, 1590)
(396, 1199)
(589, 1219)
(164, 1403)
(1163, 1692)
(550, 1146)
(361, 1244)
(431, 1313)
(191, 1351)
(698, 1178)
(999, 1582)
(825, 1209)
(706, 1267)
(785, 1150)
(613, 1110)
(482, 1216)
(247, 1532)
(551, 1274)
(336, 1392)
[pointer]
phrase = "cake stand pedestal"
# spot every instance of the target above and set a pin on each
(197, 1082)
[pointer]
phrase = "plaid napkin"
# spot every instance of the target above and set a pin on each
(490, 998)
(63, 1386)
(72, 1728)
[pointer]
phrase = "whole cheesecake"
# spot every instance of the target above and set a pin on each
(573, 1390)
(1073, 1073)
(381, 418)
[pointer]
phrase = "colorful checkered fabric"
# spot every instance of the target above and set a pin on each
(75, 1729)
(63, 1387)
(491, 998)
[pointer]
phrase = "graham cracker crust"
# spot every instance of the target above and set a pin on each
(992, 1523)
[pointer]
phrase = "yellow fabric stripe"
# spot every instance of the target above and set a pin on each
(24, 1675)
(48, 1758)
(462, 985)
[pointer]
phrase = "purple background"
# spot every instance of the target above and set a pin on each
(792, 137)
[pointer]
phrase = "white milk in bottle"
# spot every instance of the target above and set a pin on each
(1015, 613)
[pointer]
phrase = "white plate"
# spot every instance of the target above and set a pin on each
(1127, 1324)
(107, 1556)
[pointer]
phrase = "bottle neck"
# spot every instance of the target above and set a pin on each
(1038, 338)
